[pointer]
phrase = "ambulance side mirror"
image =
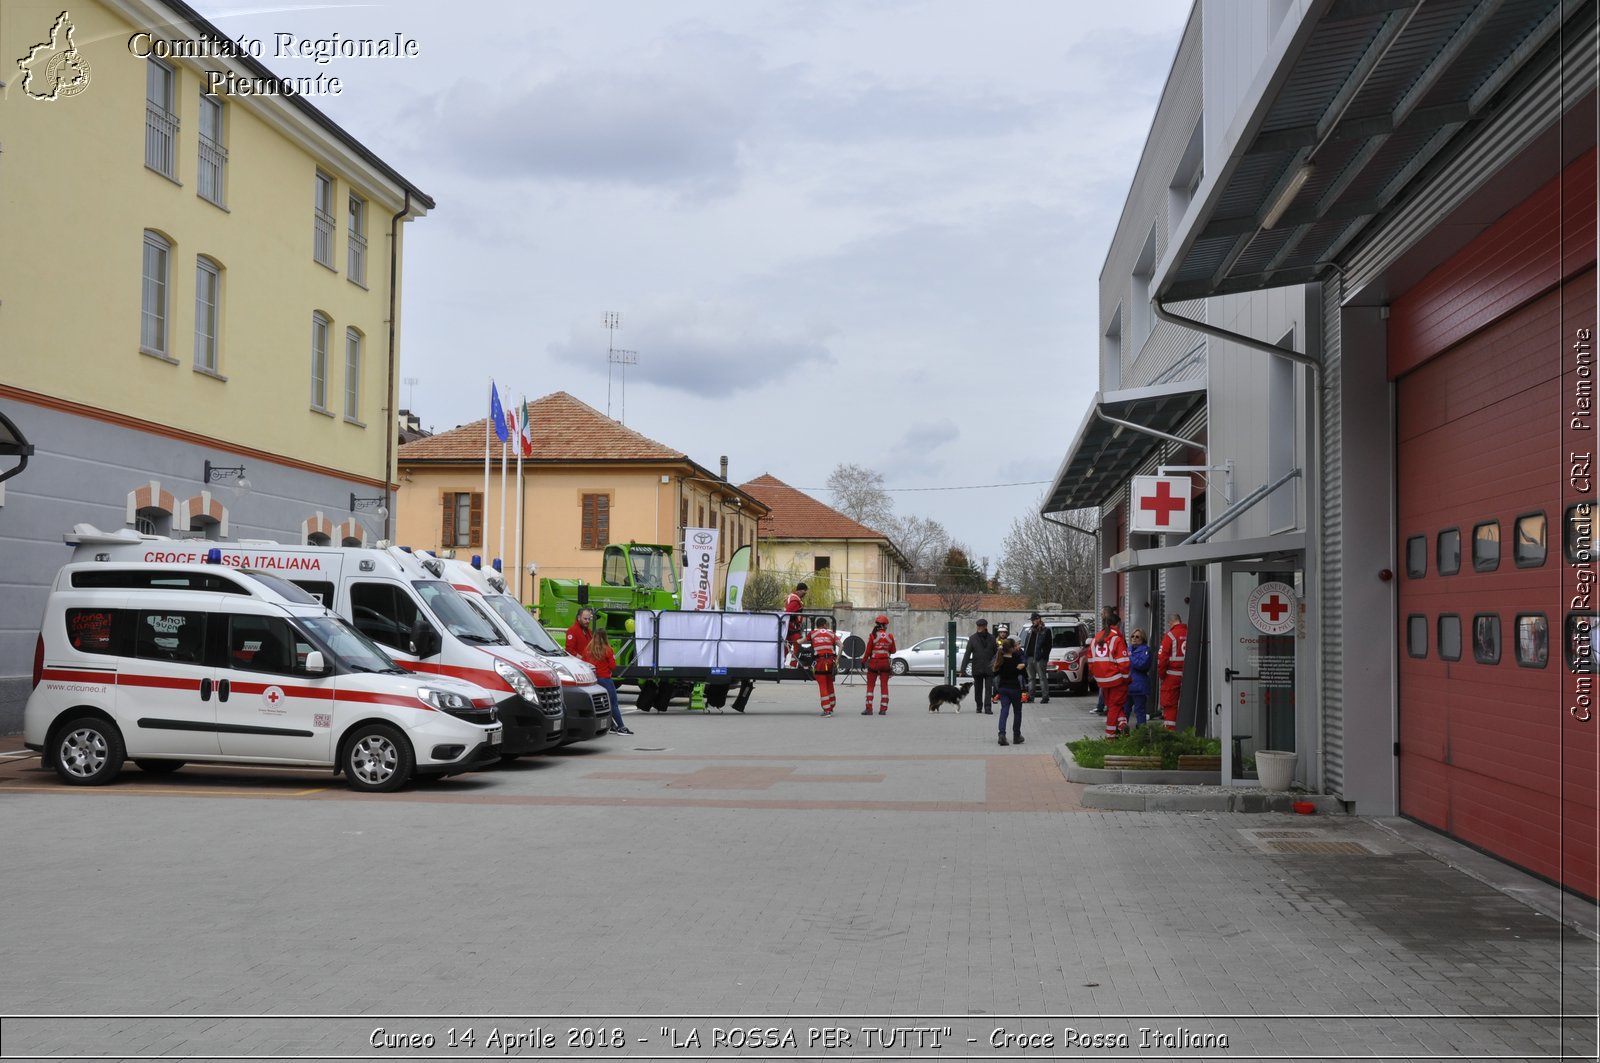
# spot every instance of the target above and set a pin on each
(425, 642)
(316, 664)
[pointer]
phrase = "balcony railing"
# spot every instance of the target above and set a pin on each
(357, 259)
(213, 160)
(322, 242)
(161, 140)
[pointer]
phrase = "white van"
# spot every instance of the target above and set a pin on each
(587, 705)
(397, 599)
(169, 663)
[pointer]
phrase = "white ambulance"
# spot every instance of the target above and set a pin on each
(397, 599)
(588, 706)
(169, 663)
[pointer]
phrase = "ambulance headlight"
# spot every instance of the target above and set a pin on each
(443, 700)
(517, 680)
(567, 673)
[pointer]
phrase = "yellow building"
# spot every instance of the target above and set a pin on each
(197, 296)
(803, 537)
(590, 481)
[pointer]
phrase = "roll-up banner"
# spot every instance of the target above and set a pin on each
(738, 569)
(699, 568)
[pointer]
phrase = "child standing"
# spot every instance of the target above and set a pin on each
(1009, 668)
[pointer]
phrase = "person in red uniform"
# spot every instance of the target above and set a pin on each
(824, 659)
(1108, 663)
(880, 648)
(795, 602)
(581, 631)
(1169, 668)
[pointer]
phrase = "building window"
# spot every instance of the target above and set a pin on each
(683, 513)
(161, 119)
(822, 563)
(213, 156)
(319, 362)
(1578, 532)
(1533, 640)
(1449, 637)
(322, 234)
(1417, 556)
(1449, 556)
(356, 254)
(207, 300)
(153, 309)
(463, 519)
(1486, 638)
(596, 529)
(1528, 547)
(1417, 635)
(352, 375)
(319, 539)
(1486, 546)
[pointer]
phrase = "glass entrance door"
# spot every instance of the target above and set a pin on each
(1263, 621)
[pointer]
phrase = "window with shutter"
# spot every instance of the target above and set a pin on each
(596, 531)
(463, 519)
(475, 520)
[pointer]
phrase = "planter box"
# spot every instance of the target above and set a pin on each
(1200, 762)
(1075, 773)
(1115, 762)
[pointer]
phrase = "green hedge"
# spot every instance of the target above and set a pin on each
(1151, 740)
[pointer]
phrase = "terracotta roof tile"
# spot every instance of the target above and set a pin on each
(985, 602)
(796, 515)
(564, 430)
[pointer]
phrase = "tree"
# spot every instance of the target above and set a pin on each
(957, 597)
(1049, 563)
(764, 591)
(923, 541)
(858, 493)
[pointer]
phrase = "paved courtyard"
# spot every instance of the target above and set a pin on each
(889, 887)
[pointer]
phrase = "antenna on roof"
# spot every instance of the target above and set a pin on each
(615, 357)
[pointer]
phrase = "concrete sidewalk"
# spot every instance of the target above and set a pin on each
(767, 864)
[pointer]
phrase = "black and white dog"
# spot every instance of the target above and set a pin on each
(944, 694)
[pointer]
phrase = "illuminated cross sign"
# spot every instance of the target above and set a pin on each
(1161, 504)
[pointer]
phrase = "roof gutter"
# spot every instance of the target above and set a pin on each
(1240, 338)
(391, 421)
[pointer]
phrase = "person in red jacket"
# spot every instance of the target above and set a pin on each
(795, 602)
(1169, 668)
(581, 631)
(1108, 663)
(604, 659)
(880, 648)
(824, 660)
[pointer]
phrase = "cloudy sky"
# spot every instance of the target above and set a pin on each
(861, 231)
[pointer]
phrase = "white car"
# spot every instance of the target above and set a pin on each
(926, 657)
(166, 664)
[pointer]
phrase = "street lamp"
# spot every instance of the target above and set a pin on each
(378, 504)
(224, 473)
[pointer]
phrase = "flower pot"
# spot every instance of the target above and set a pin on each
(1275, 768)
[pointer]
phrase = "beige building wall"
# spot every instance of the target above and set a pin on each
(74, 234)
(863, 573)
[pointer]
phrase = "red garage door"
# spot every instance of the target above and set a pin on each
(1488, 504)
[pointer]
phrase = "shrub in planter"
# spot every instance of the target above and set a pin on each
(1151, 740)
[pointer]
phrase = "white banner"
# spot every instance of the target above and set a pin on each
(699, 568)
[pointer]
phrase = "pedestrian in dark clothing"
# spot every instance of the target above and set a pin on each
(1036, 650)
(1138, 677)
(1009, 667)
(982, 648)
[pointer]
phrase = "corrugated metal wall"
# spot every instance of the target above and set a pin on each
(1330, 544)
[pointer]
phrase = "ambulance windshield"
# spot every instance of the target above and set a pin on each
(350, 648)
(456, 615)
(519, 620)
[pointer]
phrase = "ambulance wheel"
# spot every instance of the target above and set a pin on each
(88, 751)
(377, 759)
(899, 667)
(159, 767)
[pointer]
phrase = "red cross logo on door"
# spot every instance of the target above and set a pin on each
(272, 695)
(1272, 608)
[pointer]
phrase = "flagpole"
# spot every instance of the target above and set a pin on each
(502, 553)
(488, 433)
(522, 413)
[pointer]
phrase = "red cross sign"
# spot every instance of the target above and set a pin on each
(1161, 504)
(272, 695)
(1272, 608)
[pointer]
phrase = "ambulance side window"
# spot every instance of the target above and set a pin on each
(264, 644)
(384, 613)
(170, 635)
(107, 631)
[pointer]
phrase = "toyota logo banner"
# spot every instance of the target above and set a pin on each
(699, 568)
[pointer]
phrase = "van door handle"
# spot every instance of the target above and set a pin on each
(222, 690)
(205, 690)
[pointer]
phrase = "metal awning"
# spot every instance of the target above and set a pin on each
(1269, 548)
(1104, 455)
(1352, 104)
(13, 445)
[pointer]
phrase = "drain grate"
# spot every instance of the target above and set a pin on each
(1319, 848)
(1283, 834)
